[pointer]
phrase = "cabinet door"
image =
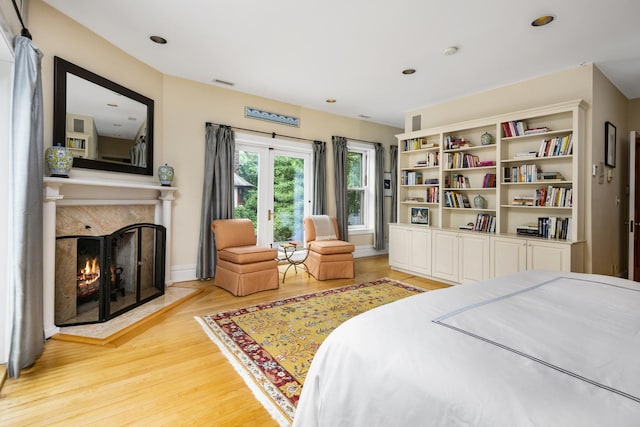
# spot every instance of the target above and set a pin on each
(399, 247)
(508, 256)
(474, 257)
(548, 256)
(420, 257)
(444, 255)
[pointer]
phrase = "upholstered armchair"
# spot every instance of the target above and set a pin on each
(242, 268)
(329, 257)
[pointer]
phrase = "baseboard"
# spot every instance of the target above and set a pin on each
(183, 273)
(368, 250)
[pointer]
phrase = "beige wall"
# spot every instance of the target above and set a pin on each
(609, 199)
(633, 114)
(182, 108)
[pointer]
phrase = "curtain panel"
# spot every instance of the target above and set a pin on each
(340, 170)
(26, 174)
(379, 198)
(393, 161)
(217, 192)
(319, 178)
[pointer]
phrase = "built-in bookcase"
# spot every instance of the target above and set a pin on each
(526, 171)
(507, 178)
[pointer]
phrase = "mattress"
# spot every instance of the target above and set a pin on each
(532, 349)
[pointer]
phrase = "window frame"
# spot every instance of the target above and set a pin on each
(368, 169)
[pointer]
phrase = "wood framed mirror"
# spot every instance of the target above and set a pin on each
(107, 126)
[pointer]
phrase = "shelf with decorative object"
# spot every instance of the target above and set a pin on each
(505, 162)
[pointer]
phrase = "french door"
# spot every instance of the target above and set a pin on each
(273, 186)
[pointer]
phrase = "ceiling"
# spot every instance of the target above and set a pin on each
(354, 51)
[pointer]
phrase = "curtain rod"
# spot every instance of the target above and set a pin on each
(360, 140)
(25, 32)
(272, 134)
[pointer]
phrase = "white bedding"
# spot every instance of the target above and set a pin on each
(532, 349)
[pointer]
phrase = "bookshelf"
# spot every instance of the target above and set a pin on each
(527, 182)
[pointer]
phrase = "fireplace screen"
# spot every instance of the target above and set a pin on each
(100, 277)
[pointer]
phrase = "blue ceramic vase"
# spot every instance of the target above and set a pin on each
(59, 160)
(165, 175)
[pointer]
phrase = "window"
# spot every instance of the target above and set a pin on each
(360, 186)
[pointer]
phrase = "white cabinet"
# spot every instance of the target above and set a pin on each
(508, 256)
(410, 249)
(460, 257)
(511, 255)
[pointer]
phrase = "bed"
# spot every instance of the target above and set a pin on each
(532, 349)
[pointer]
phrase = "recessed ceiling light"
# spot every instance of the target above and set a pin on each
(331, 101)
(158, 39)
(542, 20)
(408, 71)
(451, 50)
(362, 116)
(112, 105)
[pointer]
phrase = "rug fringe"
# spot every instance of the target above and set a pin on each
(259, 395)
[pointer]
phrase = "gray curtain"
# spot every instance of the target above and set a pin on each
(319, 178)
(217, 192)
(340, 172)
(26, 171)
(378, 242)
(393, 161)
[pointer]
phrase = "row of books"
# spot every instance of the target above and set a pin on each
(431, 159)
(413, 144)
(520, 173)
(453, 199)
(411, 178)
(489, 180)
(457, 181)
(76, 143)
(547, 196)
(454, 143)
(558, 146)
(460, 160)
(485, 223)
(548, 228)
(519, 128)
(433, 195)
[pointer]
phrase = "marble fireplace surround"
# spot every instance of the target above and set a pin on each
(110, 198)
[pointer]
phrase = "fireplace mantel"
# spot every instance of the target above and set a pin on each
(83, 192)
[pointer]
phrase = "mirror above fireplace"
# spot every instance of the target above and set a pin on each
(107, 126)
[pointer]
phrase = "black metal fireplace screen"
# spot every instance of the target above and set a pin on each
(101, 277)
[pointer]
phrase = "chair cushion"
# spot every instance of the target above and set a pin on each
(246, 268)
(329, 247)
(247, 254)
(233, 232)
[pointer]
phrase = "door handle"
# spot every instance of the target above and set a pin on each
(269, 215)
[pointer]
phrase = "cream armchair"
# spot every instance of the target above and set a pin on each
(242, 268)
(329, 257)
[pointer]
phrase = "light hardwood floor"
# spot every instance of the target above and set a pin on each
(164, 373)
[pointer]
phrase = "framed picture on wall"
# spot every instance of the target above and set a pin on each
(419, 216)
(387, 184)
(609, 144)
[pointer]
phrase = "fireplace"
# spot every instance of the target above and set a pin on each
(100, 277)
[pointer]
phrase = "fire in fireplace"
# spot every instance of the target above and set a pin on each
(100, 277)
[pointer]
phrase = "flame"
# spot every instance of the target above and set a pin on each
(89, 274)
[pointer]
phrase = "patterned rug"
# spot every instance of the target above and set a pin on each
(271, 345)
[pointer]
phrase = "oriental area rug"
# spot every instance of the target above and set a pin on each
(271, 345)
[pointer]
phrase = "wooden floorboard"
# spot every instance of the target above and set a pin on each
(167, 373)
